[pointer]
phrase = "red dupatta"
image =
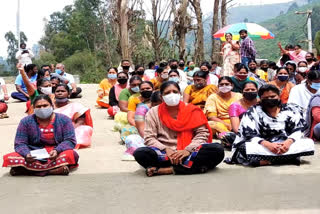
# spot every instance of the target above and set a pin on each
(189, 118)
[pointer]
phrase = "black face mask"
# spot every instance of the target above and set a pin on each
(140, 72)
(270, 103)
(264, 69)
(173, 67)
(125, 67)
(146, 94)
(309, 60)
(250, 95)
(252, 69)
(122, 81)
(181, 64)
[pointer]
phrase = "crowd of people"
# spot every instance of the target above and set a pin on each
(176, 117)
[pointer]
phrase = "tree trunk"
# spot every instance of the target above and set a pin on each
(105, 36)
(124, 31)
(199, 50)
(182, 26)
(223, 13)
(156, 37)
(215, 27)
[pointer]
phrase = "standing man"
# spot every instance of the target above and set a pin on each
(75, 91)
(24, 55)
(247, 50)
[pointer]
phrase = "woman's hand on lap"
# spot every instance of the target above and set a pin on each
(169, 153)
(272, 147)
(53, 154)
(179, 156)
(30, 159)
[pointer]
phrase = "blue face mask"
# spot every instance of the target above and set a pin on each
(174, 79)
(112, 76)
(315, 86)
(58, 71)
(135, 89)
(283, 78)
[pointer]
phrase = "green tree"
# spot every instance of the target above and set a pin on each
(317, 42)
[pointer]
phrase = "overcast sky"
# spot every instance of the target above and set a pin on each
(34, 11)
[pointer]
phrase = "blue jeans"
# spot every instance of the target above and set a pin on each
(19, 96)
(245, 61)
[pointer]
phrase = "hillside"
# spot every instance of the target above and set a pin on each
(289, 28)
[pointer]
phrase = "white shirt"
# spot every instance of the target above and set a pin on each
(182, 86)
(300, 95)
(70, 78)
(214, 80)
(25, 58)
(150, 73)
(217, 70)
(183, 76)
(1, 92)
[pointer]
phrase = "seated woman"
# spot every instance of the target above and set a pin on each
(105, 86)
(43, 86)
(3, 98)
(175, 77)
(302, 93)
(217, 106)
(121, 118)
(238, 108)
(135, 141)
(43, 73)
(122, 79)
(301, 72)
(54, 82)
(139, 71)
(271, 132)
(44, 129)
(162, 76)
(198, 93)
(79, 115)
(178, 138)
(313, 118)
(283, 84)
(240, 77)
(146, 89)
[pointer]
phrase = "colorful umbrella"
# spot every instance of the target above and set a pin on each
(255, 31)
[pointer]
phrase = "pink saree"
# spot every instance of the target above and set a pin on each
(83, 132)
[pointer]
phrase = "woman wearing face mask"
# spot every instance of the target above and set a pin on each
(176, 137)
(236, 109)
(271, 132)
(255, 72)
(146, 89)
(139, 70)
(292, 67)
(79, 114)
(105, 86)
(43, 130)
(217, 106)
(191, 69)
(135, 141)
(122, 79)
(301, 73)
(175, 77)
(230, 53)
(283, 84)
(162, 76)
(310, 59)
(126, 93)
(240, 77)
(43, 87)
(198, 93)
(212, 79)
(302, 93)
(43, 74)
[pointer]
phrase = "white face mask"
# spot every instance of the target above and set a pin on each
(225, 89)
(302, 69)
(172, 99)
(164, 76)
(46, 90)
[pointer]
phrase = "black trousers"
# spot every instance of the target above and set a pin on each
(74, 95)
(208, 157)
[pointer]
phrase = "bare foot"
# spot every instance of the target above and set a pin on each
(63, 170)
(151, 171)
(264, 163)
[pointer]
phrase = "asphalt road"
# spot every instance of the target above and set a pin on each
(105, 184)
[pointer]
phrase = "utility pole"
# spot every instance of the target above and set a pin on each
(18, 24)
(309, 13)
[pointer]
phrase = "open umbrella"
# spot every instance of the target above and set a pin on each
(255, 31)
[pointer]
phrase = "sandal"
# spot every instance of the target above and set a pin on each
(154, 172)
(63, 170)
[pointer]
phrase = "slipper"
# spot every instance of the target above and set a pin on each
(155, 172)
